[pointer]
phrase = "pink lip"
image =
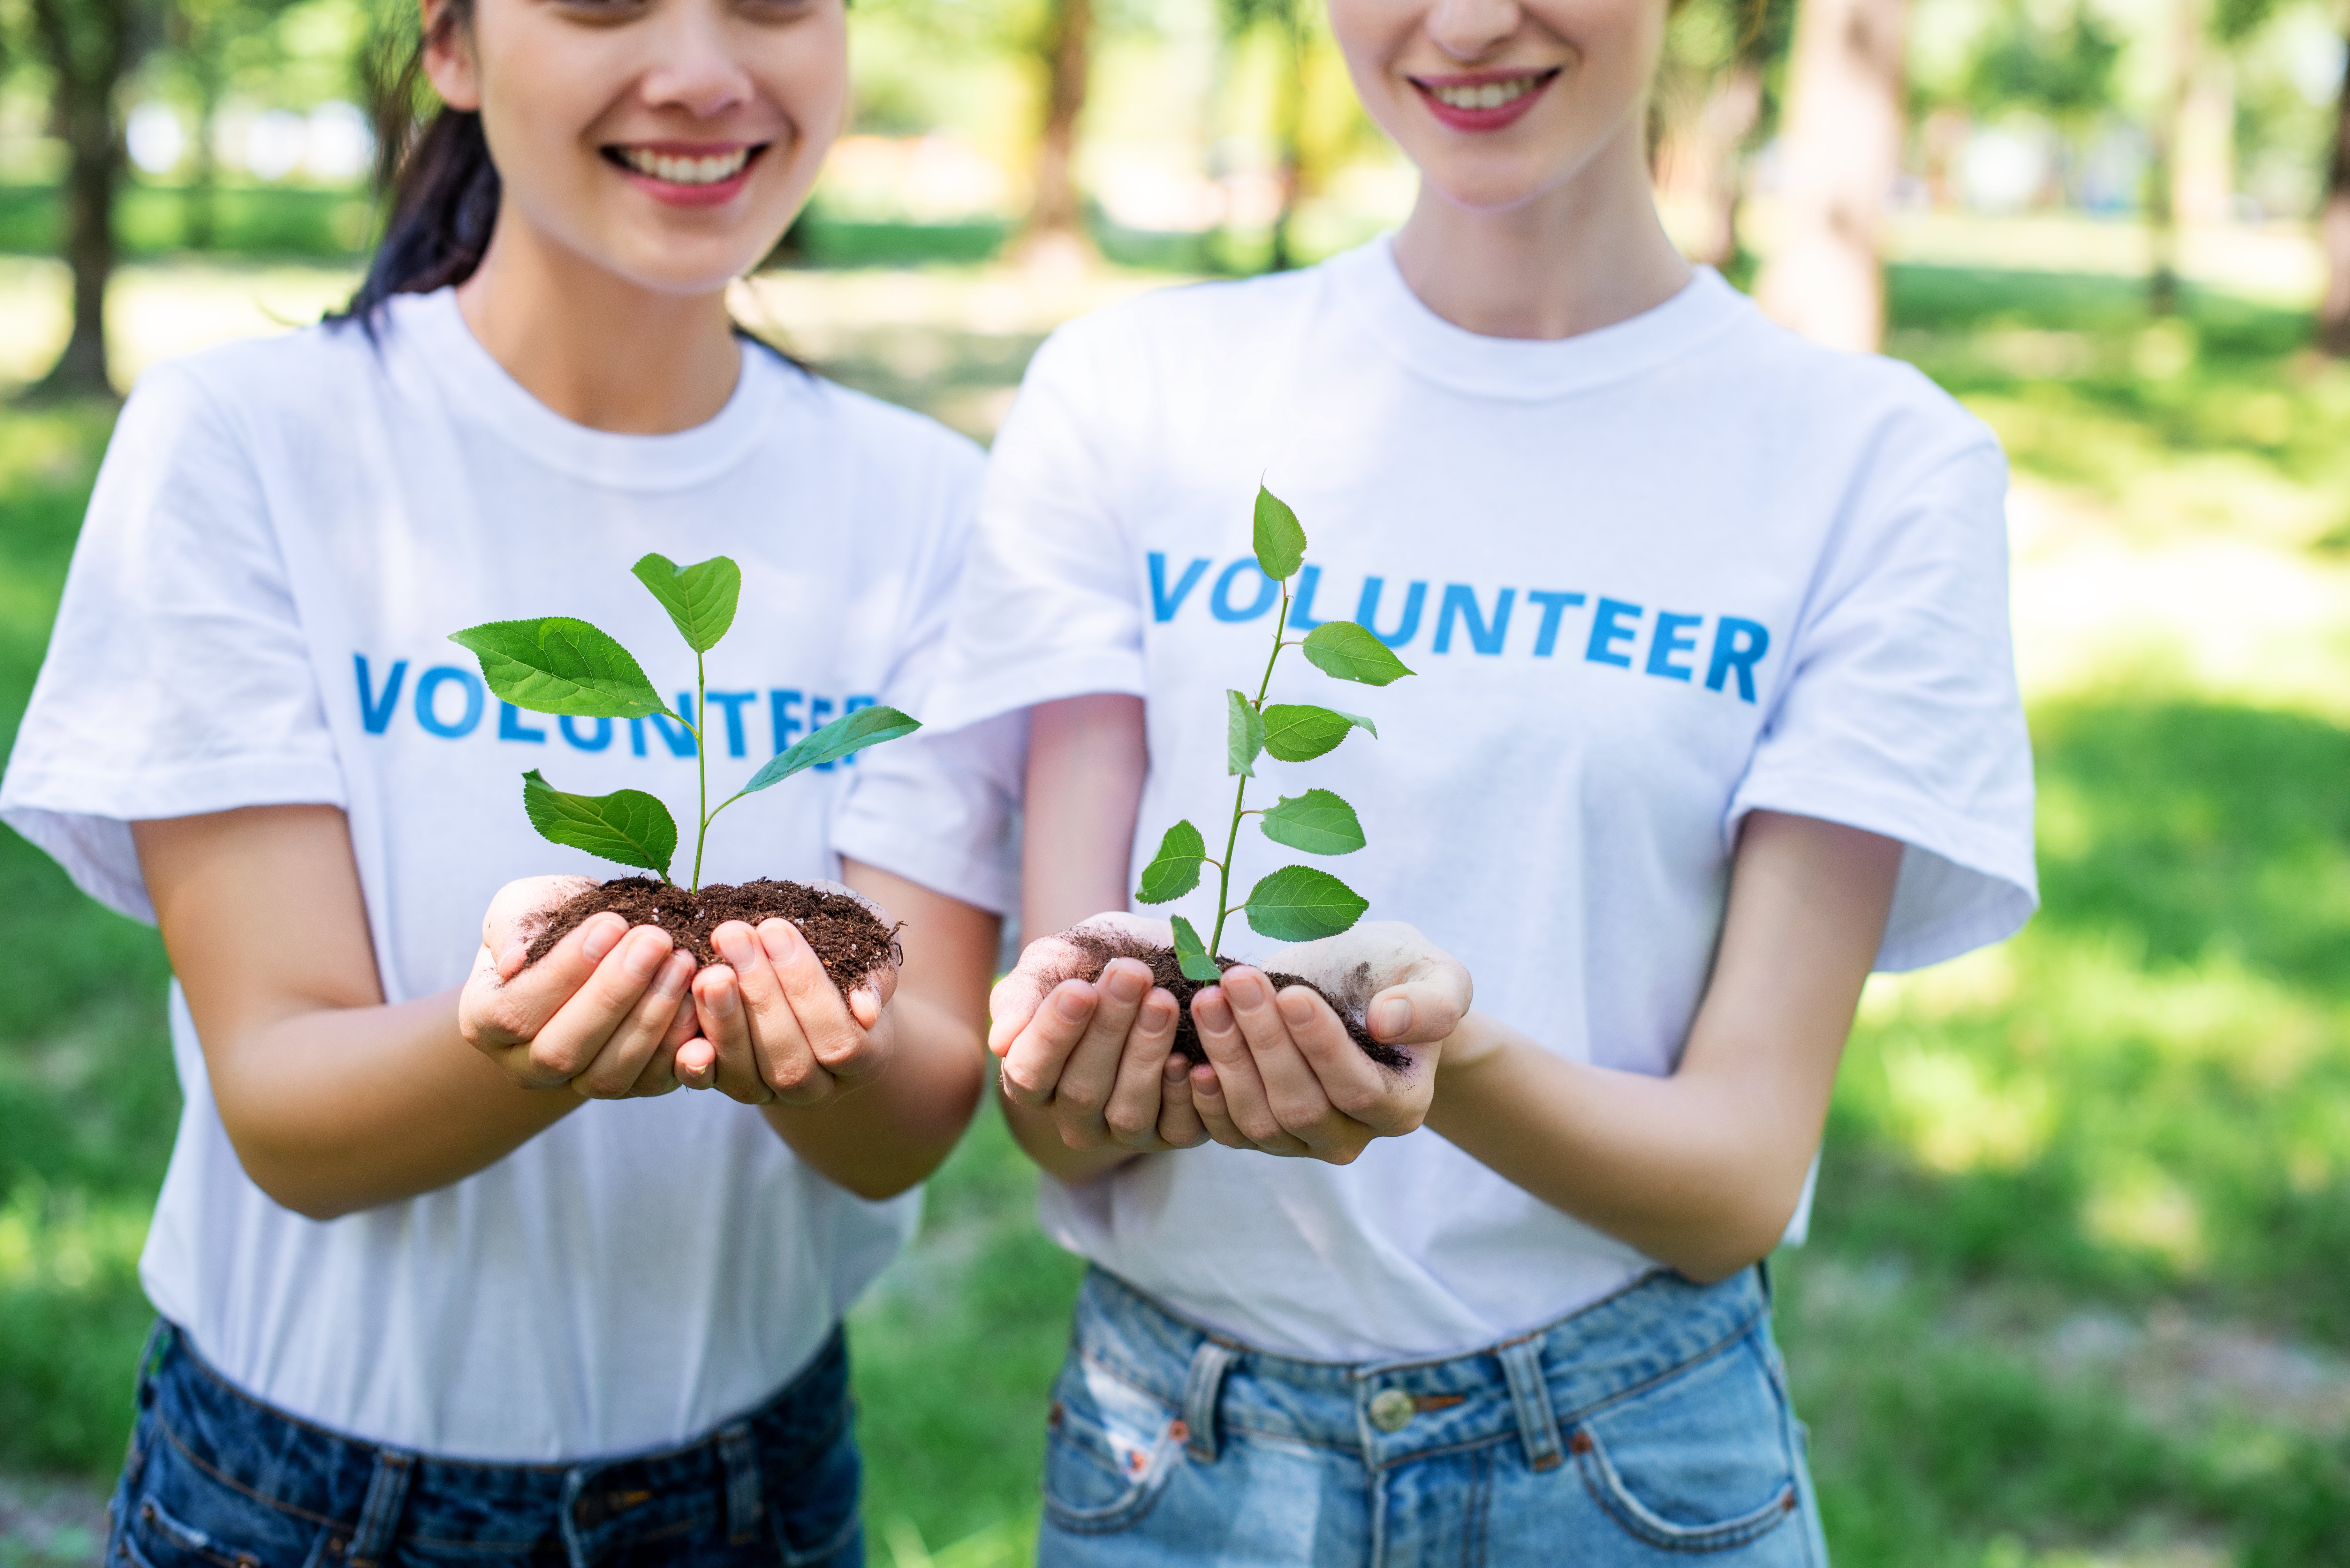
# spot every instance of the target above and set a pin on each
(676, 195)
(1507, 114)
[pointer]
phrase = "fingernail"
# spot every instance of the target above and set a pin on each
(1298, 1006)
(732, 941)
(779, 936)
(675, 974)
(645, 955)
(1389, 1018)
(1072, 1005)
(1126, 987)
(510, 960)
(1245, 988)
(603, 934)
(720, 1001)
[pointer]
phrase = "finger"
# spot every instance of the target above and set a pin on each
(519, 911)
(1238, 1083)
(1032, 1065)
(734, 1067)
(696, 1064)
(1294, 1091)
(1091, 1073)
(1179, 1118)
(1132, 1113)
(634, 1045)
(1012, 1005)
(845, 1048)
(1384, 1102)
(496, 1012)
(598, 1007)
(786, 1062)
(1215, 1117)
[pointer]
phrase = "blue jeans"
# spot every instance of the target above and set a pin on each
(217, 1479)
(1649, 1429)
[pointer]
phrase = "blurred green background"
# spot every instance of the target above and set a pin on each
(2078, 1292)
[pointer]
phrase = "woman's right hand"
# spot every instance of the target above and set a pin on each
(1096, 1056)
(599, 1014)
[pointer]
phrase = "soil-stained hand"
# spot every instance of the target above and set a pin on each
(1094, 1055)
(774, 1027)
(600, 1013)
(1282, 1076)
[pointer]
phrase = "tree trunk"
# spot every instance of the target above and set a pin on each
(1056, 214)
(1289, 134)
(2162, 163)
(1702, 162)
(201, 194)
(1842, 149)
(91, 44)
(2333, 231)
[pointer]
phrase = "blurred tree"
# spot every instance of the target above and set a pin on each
(88, 46)
(1285, 21)
(1713, 98)
(1055, 216)
(2333, 230)
(1841, 150)
(205, 37)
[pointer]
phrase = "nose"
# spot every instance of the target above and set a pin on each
(1469, 30)
(692, 64)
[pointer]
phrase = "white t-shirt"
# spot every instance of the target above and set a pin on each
(283, 536)
(1651, 578)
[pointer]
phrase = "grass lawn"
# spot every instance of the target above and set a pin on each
(2079, 1287)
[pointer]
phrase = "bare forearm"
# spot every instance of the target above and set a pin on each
(890, 1135)
(1696, 1172)
(344, 1109)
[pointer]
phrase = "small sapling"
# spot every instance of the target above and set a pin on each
(1296, 903)
(567, 667)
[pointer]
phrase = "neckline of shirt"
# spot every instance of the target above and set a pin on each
(1528, 368)
(458, 363)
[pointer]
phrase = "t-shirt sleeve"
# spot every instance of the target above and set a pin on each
(1899, 712)
(178, 678)
(1048, 605)
(938, 806)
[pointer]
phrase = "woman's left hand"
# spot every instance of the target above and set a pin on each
(1284, 1077)
(773, 1028)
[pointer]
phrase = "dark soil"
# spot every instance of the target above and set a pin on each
(1166, 973)
(849, 942)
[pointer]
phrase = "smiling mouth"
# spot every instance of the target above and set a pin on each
(684, 169)
(1499, 93)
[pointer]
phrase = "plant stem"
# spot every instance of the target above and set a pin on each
(1240, 795)
(701, 767)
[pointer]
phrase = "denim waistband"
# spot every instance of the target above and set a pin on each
(381, 1494)
(1540, 1383)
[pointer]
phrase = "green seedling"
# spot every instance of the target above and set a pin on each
(1296, 903)
(569, 667)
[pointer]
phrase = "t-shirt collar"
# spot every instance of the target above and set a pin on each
(1522, 367)
(477, 384)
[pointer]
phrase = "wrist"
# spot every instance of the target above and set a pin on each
(1472, 1046)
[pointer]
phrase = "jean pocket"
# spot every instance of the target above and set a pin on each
(1699, 1462)
(153, 1537)
(1110, 1449)
(815, 1509)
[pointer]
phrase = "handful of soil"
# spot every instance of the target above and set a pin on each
(848, 939)
(1167, 972)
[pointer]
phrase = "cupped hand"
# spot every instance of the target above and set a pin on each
(1284, 1077)
(600, 1013)
(1096, 1056)
(773, 1026)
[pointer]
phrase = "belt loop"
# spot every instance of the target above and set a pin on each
(1762, 1278)
(1537, 1427)
(575, 1543)
(379, 1523)
(740, 1456)
(1201, 1391)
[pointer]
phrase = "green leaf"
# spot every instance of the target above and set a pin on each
(1317, 822)
(628, 825)
(1191, 954)
(1244, 736)
(850, 732)
(1299, 904)
(1346, 650)
(561, 666)
(700, 598)
(1299, 731)
(1280, 541)
(1175, 869)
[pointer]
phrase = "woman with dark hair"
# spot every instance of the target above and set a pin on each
(428, 1290)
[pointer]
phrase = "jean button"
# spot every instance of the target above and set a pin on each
(1392, 1409)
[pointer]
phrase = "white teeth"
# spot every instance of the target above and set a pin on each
(686, 171)
(1486, 95)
